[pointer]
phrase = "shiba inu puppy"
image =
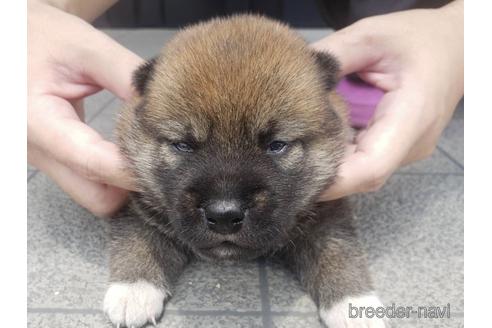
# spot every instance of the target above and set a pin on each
(235, 132)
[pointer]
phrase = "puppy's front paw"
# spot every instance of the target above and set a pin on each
(134, 304)
(351, 313)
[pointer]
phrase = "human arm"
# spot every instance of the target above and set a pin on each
(68, 60)
(416, 57)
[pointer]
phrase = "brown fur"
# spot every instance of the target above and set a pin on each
(211, 74)
(228, 87)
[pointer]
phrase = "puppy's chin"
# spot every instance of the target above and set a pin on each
(227, 251)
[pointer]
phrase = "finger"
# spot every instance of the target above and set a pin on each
(337, 190)
(382, 148)
(351, 48)
(112, 65)
(69, 141)
(102, 200)
(349, 180)
(423, 148)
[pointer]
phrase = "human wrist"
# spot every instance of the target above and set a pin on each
(455, 8)
(88, 10)
(454, 15)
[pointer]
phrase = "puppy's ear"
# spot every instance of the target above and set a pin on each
(329, 68)
(142, 75)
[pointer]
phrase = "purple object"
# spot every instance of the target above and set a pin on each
(361, 99)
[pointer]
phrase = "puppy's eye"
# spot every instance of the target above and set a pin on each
(277, 147)
(183, 146)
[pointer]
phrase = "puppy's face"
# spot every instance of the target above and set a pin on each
(231, 142)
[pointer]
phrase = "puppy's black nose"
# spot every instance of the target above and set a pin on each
(224, 216)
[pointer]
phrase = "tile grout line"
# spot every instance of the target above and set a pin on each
(32, 175)
(429, 173)
(63, 311)
(451, 158)
(265, 298)
(92, 118)
(103, 107)
(460, 174)
(177, 312)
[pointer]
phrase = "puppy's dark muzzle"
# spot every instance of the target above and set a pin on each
(223, 216)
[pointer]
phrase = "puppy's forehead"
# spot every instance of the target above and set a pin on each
(246, 77)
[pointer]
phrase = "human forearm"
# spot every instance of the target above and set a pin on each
(85, 9)
(454, 15)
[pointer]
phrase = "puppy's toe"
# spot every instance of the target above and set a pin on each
(134, 304)
(347, 313)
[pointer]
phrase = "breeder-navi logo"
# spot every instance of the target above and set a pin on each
(393, 311)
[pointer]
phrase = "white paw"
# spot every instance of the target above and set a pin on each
(351, 313)
(134, 304)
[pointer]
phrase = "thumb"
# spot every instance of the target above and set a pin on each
(351, 47)
(112, 65)
(78, 146)
(382, 148)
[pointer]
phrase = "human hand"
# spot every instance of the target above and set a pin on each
(68, 60)
(416, 57)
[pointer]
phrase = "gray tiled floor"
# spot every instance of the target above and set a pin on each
(412, 230)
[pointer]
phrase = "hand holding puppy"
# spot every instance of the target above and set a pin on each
(416, 57)
(68, 60)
